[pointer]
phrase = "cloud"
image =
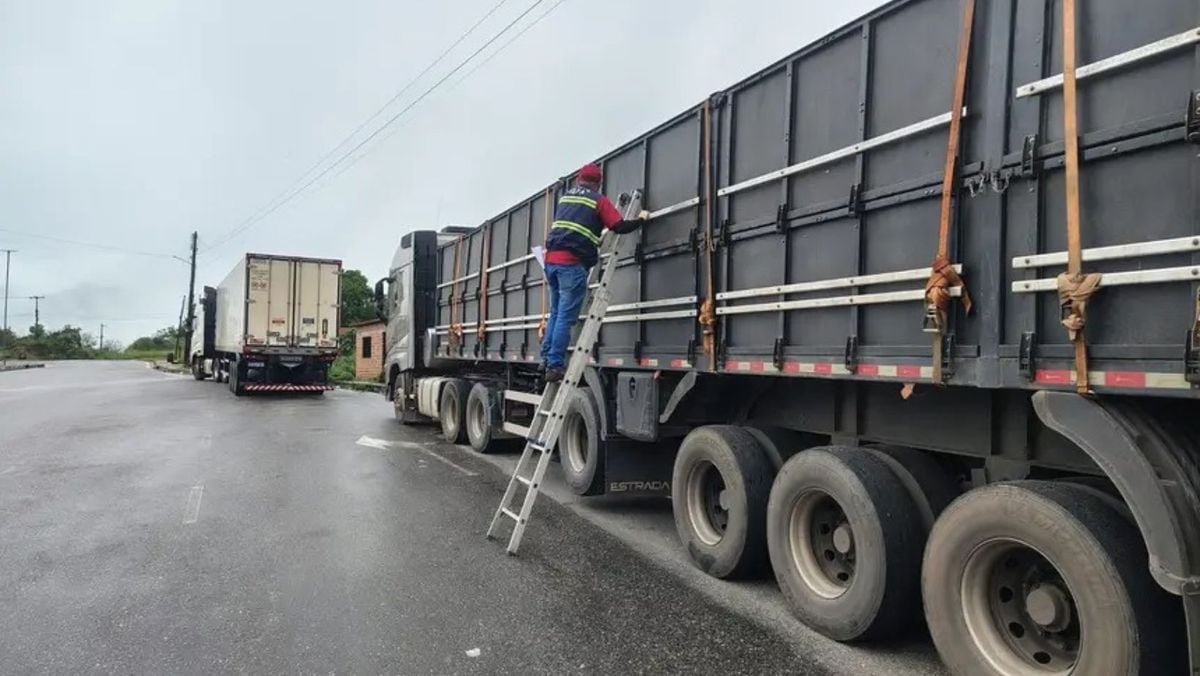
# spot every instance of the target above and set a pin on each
(134, 122)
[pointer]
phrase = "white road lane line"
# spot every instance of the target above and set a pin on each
(195, 496)
(372, 442)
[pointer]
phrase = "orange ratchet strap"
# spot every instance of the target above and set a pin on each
(708, 314)
(943, 276)
(455, 326)
(1074, 287)
(481, 331)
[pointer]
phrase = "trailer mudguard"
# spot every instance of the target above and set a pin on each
(1153, 465)
(1153, 468)
(592, 378)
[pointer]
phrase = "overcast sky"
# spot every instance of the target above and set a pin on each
(131, 123)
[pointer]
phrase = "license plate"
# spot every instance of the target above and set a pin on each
(291, 360)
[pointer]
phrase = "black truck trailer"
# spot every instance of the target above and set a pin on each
(782, 360)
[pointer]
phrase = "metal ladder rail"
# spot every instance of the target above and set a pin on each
(547, 421)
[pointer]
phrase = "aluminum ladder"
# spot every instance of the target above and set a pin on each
(552, 405)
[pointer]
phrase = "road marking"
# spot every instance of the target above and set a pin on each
(383, 444)
(192, 513)
(11, 469)
(372, 442)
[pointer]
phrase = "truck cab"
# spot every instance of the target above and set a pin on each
(405, 300)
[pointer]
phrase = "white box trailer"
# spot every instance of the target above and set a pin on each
(273, 324)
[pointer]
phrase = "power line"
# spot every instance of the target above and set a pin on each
(453, 86)
(504, 46)
(395, 97)
(93, 245)
(254, 220)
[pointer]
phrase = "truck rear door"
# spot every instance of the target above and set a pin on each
(316, 317)
(269, 313)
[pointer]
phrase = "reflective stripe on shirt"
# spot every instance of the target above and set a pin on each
(578, 199)
(578, 229)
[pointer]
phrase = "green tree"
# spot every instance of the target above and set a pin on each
(342, 368)
(69, 342)
(358, 302)
(163, 339)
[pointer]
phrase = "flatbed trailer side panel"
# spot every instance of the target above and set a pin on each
(1138, 184)
(867, 210)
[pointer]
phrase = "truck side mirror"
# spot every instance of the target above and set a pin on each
(381, 307)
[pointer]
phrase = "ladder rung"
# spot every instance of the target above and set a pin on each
(543, 411)
(527, 482)
(513, 428)
(525, 397)
(511, 514)
(537, 446)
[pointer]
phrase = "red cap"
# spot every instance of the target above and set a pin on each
(590, 173)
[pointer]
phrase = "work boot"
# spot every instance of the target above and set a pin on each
(553, 375)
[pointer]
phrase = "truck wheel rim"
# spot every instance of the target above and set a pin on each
(1019, 610)
(706, 502)
(822, 543)
(574, 438)
(475, 419)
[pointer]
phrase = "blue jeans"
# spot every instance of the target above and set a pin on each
(568, 286)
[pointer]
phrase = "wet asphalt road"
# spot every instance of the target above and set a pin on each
(152, 524)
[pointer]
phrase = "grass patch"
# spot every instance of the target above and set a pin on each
(145, 355)
(342, 369)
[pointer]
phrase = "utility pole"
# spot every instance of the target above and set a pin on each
(191, 308)
(7, 259)
(101, 349)
(179, 326)
(37, 316)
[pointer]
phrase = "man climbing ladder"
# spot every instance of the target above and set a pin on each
(582, 215)
(542, 434)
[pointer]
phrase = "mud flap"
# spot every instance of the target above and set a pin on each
(1191, 612)
(637, 469)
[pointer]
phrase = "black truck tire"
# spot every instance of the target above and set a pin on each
(235, 378)
(719, 491)
(579, 449)
(452, 410)
(931, 487)
(1016, 573)
(845, 541)
(399, 402)
(198, 368)
(480, 419)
